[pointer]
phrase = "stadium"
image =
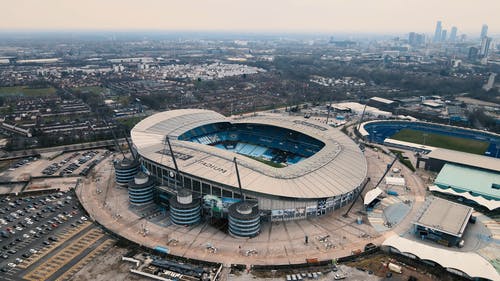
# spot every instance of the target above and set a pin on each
(429, 135)
(290, 168)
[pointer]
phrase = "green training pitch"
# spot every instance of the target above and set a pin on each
(92, 89)
(26, 91)
(437, 140)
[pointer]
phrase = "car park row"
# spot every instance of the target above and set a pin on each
(29, 224)
(73, 165)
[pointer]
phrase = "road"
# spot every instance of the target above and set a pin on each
(36, 151)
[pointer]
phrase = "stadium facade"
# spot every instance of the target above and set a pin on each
(290, 167)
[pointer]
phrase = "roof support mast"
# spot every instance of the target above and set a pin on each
(238, 176)
(362, 116)
(130, 146)
(114, 137)
(173, 159)
(389, 166)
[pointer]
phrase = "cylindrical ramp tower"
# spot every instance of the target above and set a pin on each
(244, 219)
(125, 170)
(184, 210)
(140, 189)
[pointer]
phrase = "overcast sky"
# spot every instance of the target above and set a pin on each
(349, 16)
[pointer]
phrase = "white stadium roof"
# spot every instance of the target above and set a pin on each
(470, 263)
(336, 169)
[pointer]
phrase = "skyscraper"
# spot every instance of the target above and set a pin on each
(412, 38)
(416, 39)
(473, 51)
(453, 34)
(484, 31)
(420, 39)
(443, 35)
(485, 47)
(437, 33)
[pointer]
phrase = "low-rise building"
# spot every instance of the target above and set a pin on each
(443, 221)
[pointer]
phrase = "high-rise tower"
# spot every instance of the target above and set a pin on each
(453, 34)
(485, 47)
(484, 31)
(443, 35)
(437, 33)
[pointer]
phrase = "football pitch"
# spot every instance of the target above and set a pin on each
(27, 91)
(443, 141)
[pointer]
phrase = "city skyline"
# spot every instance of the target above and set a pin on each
(383, 16)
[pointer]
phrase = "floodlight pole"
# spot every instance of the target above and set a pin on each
(328, 114)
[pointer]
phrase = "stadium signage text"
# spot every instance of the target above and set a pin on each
(212, 166)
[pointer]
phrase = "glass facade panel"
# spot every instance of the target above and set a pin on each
(227, 193)
(206, 188)
(216, 191)
(196, 186)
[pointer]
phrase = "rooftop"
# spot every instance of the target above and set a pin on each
(336, 169)
(445, 216)
(382, 100)
(468, 159)
(475, 181)
(472, 264)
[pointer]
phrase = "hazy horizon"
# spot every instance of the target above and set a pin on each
(258, 16)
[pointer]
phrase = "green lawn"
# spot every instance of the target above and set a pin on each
(402, 159)
(92, 89)
(26, 91)
(130, 122)
(437, 140)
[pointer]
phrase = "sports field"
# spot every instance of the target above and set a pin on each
(26, 91)
(443, 141)
(92, 89)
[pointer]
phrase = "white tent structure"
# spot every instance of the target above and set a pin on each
(395, 181)
(469, 263)
(372, 195)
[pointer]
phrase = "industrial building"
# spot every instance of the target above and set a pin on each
(383, 104)
(474, 184)
(443, 221)
(437, 158)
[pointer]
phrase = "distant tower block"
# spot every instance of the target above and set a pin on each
(125, 170)
(244, 220)
(438, 32)
(184, 210)
(140, 189)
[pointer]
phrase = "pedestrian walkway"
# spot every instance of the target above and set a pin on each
(492, 252)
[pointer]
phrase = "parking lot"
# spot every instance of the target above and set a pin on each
(44, 236)
(74, 163)
(77, 163)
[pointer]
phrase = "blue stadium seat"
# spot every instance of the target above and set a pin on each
(256, 140)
